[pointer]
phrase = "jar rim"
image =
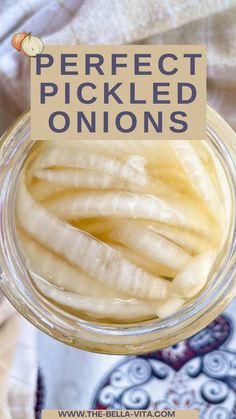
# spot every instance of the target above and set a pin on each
(82, 333)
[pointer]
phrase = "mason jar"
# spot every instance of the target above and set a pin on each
(130, 338)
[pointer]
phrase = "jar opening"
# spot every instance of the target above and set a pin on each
(68, 327)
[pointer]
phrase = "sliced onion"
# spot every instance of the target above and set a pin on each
(193, 243)
(198, 176)
(92, 256)
(101, 308)
(80, 178)
(79, 205)
(194, 275)
(148, 265)
(60, 273)
(70, 158)
(151, 245)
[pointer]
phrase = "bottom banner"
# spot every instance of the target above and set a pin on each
(178, 414)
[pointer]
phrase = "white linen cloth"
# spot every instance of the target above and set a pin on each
(211, 22)
(18, 364)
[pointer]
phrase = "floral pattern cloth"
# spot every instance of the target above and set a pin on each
(198, 373)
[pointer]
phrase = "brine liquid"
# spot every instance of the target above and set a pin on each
(122, 231)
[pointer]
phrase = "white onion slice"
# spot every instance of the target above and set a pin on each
(41, 190)
(70, 158)
(79, 205)
(151, 245)
(92, 256)
(80, 178)
(107, 307)
(225, 194)
(198, 176)
(169, 307)
(148, 265)
(57, 271)
(101, 308)
(192, 242)
(194, 275)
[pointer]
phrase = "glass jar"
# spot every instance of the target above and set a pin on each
(133, 338)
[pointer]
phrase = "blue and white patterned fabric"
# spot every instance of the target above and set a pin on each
(198, 373)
